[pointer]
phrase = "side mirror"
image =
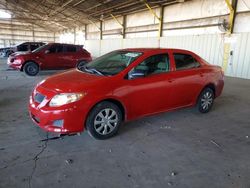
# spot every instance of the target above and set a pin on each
(46, 51)
(136, 74)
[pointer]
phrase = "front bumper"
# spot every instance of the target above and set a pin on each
(14, 65)
(64, 120)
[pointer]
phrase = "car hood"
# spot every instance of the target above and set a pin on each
(72, 81)
(20, 53)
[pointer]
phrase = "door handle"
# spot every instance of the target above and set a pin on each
(170, 80)
(201, 74)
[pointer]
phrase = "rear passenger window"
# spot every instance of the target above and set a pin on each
(71, 49)
(185, 61)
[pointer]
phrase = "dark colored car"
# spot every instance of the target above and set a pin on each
(23, 47)
(50, 56)
(121, 86)
(3, 51)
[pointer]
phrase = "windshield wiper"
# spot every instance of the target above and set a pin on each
(96, 71)
(92, 70)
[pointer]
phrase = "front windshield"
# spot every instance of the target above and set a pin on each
(40, 48)
(112, 63)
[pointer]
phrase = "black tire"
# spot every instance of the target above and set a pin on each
(31, 68)
(97, 130)
(81, 64)
(9, 53)
(205, 100)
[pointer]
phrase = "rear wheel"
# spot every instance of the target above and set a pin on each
(81, 64)
(205, 101)
(31, 68)
(104, 120)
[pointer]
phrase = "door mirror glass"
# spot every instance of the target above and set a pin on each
(136, 74)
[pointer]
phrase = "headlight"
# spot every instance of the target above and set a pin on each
(17, 61)
(65, 98)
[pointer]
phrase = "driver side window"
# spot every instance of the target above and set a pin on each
(155, 64)
(56, 49)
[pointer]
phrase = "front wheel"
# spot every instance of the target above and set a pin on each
(31, 68)
(104, 120)
(205, 101)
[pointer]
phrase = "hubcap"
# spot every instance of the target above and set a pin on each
(206, 100)
(105, 121)
(80, 65)
(31, 69)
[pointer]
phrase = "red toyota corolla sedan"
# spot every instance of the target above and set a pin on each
(124, 85)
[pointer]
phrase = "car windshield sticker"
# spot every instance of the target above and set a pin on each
(131, 54)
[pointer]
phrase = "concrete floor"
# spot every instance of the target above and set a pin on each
(176, 149)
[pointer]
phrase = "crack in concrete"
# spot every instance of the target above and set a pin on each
(36, 159)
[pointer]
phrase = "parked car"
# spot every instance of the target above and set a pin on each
(50, 56)
(124, 85)
(23, 47)
(3, 52)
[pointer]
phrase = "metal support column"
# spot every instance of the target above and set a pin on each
(121, 24)
(101, 30)
(85, 32)
(124, 21)
(160, 19)
(74, 35)
(232, 8)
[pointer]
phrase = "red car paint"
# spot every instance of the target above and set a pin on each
(46, 61)
(139, 97)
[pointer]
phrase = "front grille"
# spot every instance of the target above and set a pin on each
(39, 97)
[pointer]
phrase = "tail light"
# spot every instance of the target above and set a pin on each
(222, 74)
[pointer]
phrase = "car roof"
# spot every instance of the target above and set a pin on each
(51, 43)
(156, 49)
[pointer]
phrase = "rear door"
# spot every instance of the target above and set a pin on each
(188, 79)
(70, 55)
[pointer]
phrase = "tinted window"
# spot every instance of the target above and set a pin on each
(40, 48)
(33, 46)
(154, 64)
(185, 61)
(56, 49)
(71, 48)
(23, 47)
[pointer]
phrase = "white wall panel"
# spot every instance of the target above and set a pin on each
(240, 61)
(195, 9)
(141, 43)
(142, 18)
(110, 45)
(94, 47)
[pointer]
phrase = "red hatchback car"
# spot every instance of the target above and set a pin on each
(121, 86)
(50, 56)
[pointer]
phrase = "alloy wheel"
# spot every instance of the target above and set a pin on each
(207, 100)
(106, 121)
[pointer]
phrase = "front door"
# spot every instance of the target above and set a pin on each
(148, 94)
(53, 57)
